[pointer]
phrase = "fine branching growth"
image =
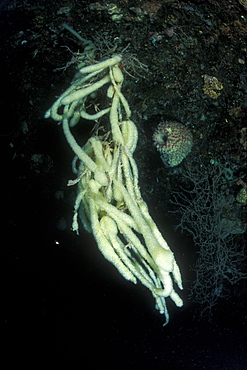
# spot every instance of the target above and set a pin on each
(210, 214)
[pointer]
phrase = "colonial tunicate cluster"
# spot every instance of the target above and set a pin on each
(174, 141)
(109, 202)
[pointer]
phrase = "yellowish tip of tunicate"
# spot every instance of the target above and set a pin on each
(110, 92)
(163, 258)
(117, 194)
(109, 226)
(117, 74)
(130, 134)
(75, 119)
